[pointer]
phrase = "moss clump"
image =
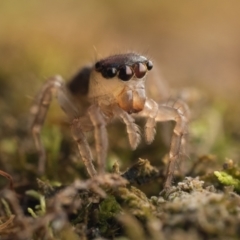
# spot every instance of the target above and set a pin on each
(141, 172)
(109, 208)
(228, 180)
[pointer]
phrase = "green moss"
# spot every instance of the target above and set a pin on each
(228, 180)
(40, 209)
(109, 208)
(135, 201)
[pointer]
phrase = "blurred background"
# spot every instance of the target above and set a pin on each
(194, 45)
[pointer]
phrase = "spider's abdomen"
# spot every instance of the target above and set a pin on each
(79, 84)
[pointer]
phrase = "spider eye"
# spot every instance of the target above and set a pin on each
(140, 70)
(125, 73)
(149, 65)
(98, 66)
(109, 72)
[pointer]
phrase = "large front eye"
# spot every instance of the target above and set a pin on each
(109, 72)
(140, 70)
(125, 73)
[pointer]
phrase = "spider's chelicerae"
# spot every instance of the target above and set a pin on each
(112, 88)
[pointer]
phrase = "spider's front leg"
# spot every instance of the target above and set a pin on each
(39, 111)
(133, 130)
(100, 135)
(162, 114)
(83, 146)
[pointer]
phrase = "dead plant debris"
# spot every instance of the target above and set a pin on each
(109, 206)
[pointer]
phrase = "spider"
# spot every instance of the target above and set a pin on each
(113, 87)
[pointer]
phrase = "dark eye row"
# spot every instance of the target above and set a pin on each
(125, 72)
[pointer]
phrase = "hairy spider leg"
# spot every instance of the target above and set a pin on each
(100, 135)
(166, 113)
(39, 111)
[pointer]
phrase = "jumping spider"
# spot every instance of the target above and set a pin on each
(113, 87)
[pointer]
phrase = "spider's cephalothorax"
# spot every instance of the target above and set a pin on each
(112, 87)
(125, 76)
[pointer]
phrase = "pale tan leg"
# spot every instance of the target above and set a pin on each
(100, 135)
(83, 147)
(150, 126)
(182, 108)
(132, 128)
(39, 111)
(40, 108)
(166, 113)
